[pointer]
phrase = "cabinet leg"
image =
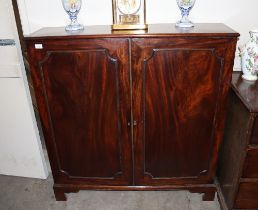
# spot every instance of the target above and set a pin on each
(208, 192)
(60, 194)
(208, 196)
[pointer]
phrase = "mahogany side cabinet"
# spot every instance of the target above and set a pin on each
(238, 160)
(133, 110)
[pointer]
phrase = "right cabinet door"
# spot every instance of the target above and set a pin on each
(177, 102)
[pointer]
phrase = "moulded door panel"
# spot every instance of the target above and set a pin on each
(176, 91)
(84, 101)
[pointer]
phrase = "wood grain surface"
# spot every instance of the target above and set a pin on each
(237, 168)
(175, 96)
(86, 110)
(141, 110)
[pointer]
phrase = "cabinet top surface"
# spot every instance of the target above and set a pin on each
(154, 30)
(247, 91)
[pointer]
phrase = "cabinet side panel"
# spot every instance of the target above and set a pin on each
(232, 151)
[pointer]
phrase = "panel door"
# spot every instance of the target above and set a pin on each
(179, 92)
(83, 94)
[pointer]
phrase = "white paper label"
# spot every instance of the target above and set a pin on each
(38, 46)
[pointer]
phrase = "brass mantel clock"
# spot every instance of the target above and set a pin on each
(129, 15)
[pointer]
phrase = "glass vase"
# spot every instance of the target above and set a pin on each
(72, 8)
(185, 6)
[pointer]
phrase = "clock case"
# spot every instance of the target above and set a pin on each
(134, 21)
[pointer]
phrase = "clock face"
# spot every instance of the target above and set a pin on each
(128, 7)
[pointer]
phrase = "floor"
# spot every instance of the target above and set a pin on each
(18, 193)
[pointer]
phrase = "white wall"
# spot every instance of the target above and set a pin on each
(20, 147)
(241, 15)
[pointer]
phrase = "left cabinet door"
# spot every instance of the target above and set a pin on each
(83, 93)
